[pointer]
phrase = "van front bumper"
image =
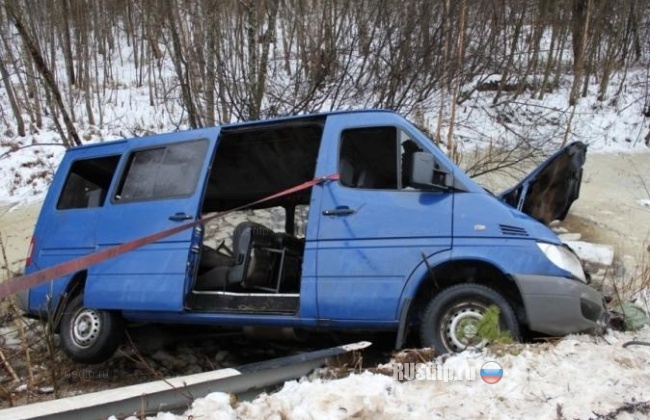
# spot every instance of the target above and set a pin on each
(559, 306)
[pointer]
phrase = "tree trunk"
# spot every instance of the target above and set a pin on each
(33, 93)
(67, 43)
(580, 30)
(210, 84)
(460, 51)
(20, 124)
(446, 83)
(47, 75)
(182, 71)
(505, 75)
(268, 38)
(549, 63)
(252, 25)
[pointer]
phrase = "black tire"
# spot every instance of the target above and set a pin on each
(456, 310)
(89, 335)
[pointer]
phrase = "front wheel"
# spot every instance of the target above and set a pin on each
(89, 335)
(451, 320)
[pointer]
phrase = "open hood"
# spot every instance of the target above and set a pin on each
(547, 193)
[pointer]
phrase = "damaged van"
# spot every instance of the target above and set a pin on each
(402, 240)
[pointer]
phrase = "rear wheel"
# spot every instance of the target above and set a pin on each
(89, 335)
(451, 320)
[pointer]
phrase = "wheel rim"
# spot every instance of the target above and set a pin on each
(85, 328)
(459, 326)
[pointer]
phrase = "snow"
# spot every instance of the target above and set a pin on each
(570, 236)
(578, 376)
(607, 127)
(594, 253)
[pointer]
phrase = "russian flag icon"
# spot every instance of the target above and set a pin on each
(491, 372)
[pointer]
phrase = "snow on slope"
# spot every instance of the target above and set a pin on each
(609, 126)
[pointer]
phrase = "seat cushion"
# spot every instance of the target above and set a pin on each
(211, 258)
(213, 269)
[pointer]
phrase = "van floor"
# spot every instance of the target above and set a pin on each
(250, 303)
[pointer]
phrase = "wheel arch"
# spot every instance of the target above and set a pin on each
(429, 279)
(75, 286)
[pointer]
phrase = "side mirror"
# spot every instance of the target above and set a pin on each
(426, 173)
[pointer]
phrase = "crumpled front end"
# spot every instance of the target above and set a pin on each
(559, 306)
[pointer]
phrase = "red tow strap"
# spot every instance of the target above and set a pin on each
(28, 281)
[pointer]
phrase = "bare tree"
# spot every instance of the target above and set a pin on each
(581, 15)
(36, 55)
(224, 60)
(20, 124)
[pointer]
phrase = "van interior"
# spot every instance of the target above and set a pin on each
(251, 260)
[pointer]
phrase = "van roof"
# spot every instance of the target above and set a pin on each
(252, 123)
(304, 116)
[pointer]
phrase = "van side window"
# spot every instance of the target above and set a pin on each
(87, 183)
(368, 158)
(377, 158)
(163, 172)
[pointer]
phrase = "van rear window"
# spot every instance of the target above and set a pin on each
(87, 183)
(162, 172)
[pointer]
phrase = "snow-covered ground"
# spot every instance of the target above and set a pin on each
(578, 377)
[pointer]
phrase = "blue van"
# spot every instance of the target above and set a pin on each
(402, 240)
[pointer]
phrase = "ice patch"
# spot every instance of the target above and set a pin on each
(570, 237)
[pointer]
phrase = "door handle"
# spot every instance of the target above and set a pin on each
(339, 211)
(179, 217)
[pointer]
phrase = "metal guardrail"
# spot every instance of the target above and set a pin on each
(178, 393)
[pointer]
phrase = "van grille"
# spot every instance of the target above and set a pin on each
(513, 230)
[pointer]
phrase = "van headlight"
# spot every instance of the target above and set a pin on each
(563, 258)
